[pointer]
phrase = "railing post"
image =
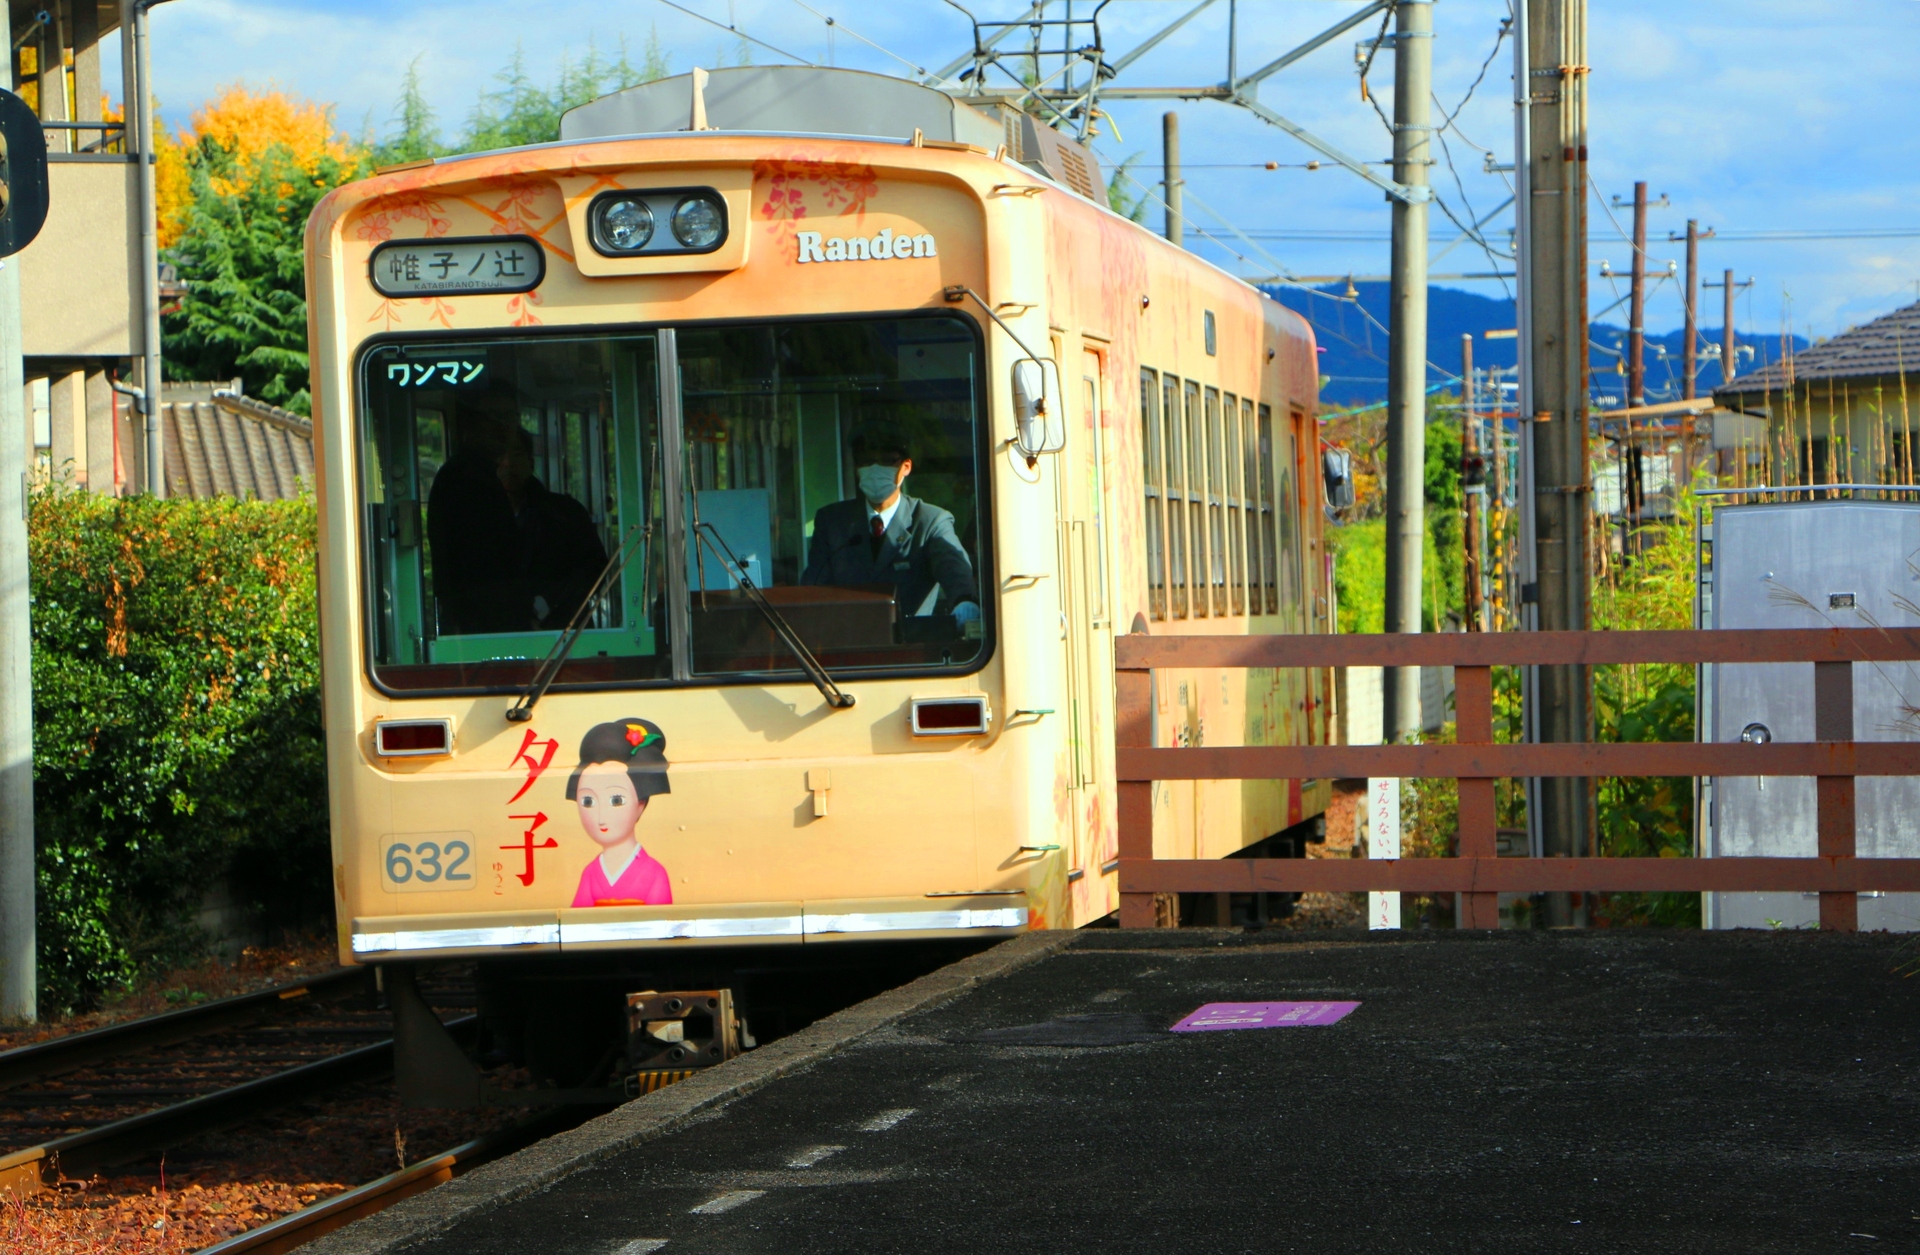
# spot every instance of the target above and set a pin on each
(1133, 728)
(1833, 721)
(1479, 818)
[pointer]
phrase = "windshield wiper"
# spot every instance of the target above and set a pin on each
(781, 628)
(549, 668)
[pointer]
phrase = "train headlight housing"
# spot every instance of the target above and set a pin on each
(657, 222)
(622, 224)
(699, 223)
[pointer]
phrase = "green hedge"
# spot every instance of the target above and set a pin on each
(177, 732)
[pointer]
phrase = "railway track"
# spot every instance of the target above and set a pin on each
(74, 1105)
(293, 1230)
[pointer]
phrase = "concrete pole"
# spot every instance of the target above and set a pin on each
(1407, 355)
(1727, 345)
(1474, 481)
(1170, 171)
(142, 145)
(1560, 698)
(1689, 365)
(1637, 303)
(18, 985)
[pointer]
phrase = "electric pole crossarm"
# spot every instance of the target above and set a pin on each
(1318, 41)
(1398, 191)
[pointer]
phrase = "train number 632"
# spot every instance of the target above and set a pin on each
(426, 861)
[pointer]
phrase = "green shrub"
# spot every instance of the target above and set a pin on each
(177, 737)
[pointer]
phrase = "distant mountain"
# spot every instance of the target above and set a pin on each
(1354, 359)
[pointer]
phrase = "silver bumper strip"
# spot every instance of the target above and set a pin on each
(577, 934)
(456, 939)
(918, 921)
(586, 933)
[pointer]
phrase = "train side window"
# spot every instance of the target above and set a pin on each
(1176, 494)
(1216, 502)
(1236, 520)
(1269, 516)
(1155, 493)
(1250, 464)
(1293, 559)
(1197, 496)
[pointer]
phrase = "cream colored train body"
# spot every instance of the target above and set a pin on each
(839, 302)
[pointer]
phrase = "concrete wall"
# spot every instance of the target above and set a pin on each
(78, 295)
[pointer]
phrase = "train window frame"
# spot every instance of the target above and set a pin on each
(1154, 493)
(365, 574)
(1269, 510)
(1236, 513)
(1173, 446)
(1199, 569)
(1257, 555)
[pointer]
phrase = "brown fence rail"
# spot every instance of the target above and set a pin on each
(1834, 760)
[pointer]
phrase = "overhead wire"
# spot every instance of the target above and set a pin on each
(735, 29)
(837, 24)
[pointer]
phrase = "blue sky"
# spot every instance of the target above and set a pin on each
(1751, 115)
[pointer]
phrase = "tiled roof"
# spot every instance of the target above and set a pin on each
(213, 451)
(1889, 345)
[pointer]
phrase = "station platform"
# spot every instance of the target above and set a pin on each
(1621, 1091)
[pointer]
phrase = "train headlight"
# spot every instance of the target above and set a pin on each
(624, 224)
(698, 223)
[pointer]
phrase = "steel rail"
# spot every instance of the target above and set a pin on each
(62, 1054)
(298, 1228)
(27, 1171)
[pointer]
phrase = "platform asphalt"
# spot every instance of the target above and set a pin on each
(1607, 1092)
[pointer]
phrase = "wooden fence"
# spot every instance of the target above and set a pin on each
(1834, 759)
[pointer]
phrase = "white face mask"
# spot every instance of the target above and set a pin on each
(878, 482)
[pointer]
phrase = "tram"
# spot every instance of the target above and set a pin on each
(726, 514)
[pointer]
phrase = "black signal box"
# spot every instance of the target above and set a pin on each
(23, 174)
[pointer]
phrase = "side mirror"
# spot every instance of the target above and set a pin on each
(1336, 468)
(1039, 420)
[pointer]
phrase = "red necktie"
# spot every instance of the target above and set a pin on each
(879, 529)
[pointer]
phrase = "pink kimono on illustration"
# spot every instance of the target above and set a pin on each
(623, 765)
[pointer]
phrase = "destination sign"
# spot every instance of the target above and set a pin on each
(466, 267)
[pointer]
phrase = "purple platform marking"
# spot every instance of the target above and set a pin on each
(1216, 1016)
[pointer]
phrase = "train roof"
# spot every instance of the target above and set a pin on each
(790, 98)
(847, 104)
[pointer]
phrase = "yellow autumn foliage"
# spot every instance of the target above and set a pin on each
(245, 123)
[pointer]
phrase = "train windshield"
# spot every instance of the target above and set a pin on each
(831, 464)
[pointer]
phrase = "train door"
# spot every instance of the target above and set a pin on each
(1086, 630)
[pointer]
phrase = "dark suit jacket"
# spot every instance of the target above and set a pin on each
(919, 551)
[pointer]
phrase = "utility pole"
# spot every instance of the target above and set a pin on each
(18, 1000)
(1688, 365)
(1170, 172)
(1407, 355)
(140, 124)
(1501, 568)
(1637, 305)
(1728, 346)
(1473, 482)
(1552, 94)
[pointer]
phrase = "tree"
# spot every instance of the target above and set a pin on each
(1131, 206)
(418, 138)
(256, 164)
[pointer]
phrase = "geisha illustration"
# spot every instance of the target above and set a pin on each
(622, 764)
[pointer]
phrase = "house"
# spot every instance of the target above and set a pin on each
(1841, 412)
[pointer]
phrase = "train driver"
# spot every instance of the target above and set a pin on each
(884, 536)
(508, 554)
